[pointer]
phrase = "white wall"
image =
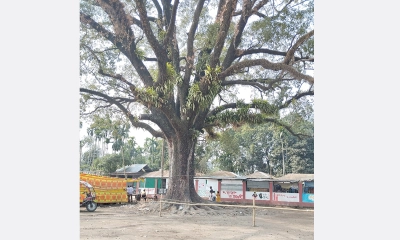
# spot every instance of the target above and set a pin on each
(204, 186)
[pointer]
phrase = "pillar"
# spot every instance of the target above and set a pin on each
(271, 190)
(244, 189)
(300, 191)
(137, 187)
(156, 186)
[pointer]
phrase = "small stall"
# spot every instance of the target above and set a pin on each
(294, 188)
(229, 185)
(258, 182)
(154, 183)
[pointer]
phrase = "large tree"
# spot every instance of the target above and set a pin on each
(175, 68)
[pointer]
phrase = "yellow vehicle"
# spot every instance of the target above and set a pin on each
(108, 189)
(90, 197)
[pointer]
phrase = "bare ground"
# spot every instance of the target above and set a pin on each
(142, 221)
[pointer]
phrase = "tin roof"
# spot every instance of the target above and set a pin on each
(222, 175)
(134, 168)
(156, 174)
(296, 177)
(199, 174)
(259, 175)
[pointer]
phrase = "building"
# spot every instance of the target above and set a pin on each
(229, 184)
(295, 190)
(132, 171)
(154, 183)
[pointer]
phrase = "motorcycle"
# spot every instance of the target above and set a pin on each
(90, 197)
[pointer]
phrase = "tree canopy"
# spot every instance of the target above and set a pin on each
(178, 69)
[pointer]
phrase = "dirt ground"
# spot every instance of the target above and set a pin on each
(142, 221)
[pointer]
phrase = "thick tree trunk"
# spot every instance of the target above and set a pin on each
(181, 180)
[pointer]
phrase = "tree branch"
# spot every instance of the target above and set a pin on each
(183, 91)
(224, 107)
(259, 6)
(100, 29)
(263, 119)
(126, 112)
(157, 48)
(297, 97)
(219, 109)
(150, 59)
(171, 26)
(241, 52)
(290, 53)
(236, 40)
(267, 65)
(118, 77)
(125, 100)
(139, 24)
(287, 127)
(121, 21)
(256, 83)
(128, 50)
(96, 109)
(159, 9)
(226, 17)
(255, 9)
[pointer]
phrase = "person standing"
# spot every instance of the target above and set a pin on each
(213, 197)
(211, 193)
(144, 194)
(129, 192)
(218, 197)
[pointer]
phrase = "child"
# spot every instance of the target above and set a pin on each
(213, 196)
(218, 197)
(144, 194)
(211, 193)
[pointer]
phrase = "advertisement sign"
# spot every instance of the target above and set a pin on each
(286, 197)
(260, 195)
(308, 197)
(232, 194)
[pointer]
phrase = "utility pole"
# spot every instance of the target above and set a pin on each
(283, 156)
(123, 161)
(162, 171)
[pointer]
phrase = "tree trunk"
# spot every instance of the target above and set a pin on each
(181, 171)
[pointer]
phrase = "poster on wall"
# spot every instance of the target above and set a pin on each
(232, 194)
(286, 197)
(260, 195)
(202, 188)
(308, 197)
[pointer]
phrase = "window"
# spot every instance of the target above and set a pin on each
(308, 187)
(286, 187)
(257, 186)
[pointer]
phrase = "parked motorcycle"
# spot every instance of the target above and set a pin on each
(90, 197)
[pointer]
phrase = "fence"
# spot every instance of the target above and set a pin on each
(253, 206)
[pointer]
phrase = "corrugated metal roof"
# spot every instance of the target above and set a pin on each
(296, 177)
(222, 175)
(134, 168)
(293, 177)
(156, 174)
(259, 175)
(199, 174)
